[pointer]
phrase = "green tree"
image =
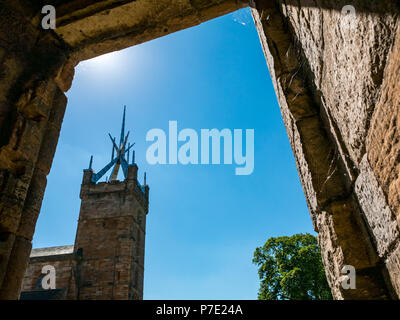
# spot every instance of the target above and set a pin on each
(290, 268)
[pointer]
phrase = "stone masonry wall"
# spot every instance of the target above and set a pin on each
(382, 154)
(62, 265)
(111, 238)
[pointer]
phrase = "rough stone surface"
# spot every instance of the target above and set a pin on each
(105, 26)
(327, 70)
(107, 259)
(372, 200)
(393, 265)
(111, 236)
(344, 69)
(17, 265)
(383, 143)
(62, 263)
(51, 251)
(343, 242)
(337, 83)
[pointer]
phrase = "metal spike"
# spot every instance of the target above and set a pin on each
(145, 178)
(129, 145)
(124, 144)
(90, 163)
(123, 128)
(133, 156)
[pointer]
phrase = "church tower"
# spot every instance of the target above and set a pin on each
(110, 240)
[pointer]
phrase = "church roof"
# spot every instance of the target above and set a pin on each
(51, 251)
(54, 294)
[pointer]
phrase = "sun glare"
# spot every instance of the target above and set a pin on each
(109, 64)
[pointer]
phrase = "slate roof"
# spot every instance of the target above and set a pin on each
(51, 251)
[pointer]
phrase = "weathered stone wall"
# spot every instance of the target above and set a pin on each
(36, 67)
(107, 26)
(331, 73)
(382, 154)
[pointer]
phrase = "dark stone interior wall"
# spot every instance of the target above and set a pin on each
(31, 112)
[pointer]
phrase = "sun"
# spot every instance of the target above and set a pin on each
(106, 64)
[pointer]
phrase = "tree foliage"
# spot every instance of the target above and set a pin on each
(290, 268)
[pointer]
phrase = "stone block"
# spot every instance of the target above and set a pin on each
(2, 55)
(6, 244)
(321, 158)
(345, 71)
(380, 218)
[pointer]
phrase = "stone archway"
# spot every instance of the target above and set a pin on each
(336, 79)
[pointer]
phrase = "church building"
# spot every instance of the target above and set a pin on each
(107, 259)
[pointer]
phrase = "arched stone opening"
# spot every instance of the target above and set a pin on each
(336, 80)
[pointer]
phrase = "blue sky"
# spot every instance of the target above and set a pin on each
(204, 221)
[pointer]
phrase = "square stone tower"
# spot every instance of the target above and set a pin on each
(110, 240)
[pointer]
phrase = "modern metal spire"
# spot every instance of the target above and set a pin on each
(122, 128)
(90, 163)
(119, 160)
